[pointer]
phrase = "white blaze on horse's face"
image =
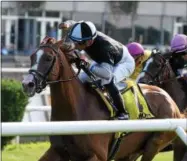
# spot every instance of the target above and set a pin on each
(142, 74)
(147, 63)
(38, 56)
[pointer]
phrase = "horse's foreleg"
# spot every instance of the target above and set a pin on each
(50, 155)
(157, 143)
(179, 150)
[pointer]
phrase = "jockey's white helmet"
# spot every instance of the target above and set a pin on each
(82, 31)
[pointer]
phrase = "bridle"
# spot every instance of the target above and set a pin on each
(41, 79)
(164, 72)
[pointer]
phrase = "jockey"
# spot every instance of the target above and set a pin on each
(111, 64)
(140, 56)
(68, 45)
(179, 55)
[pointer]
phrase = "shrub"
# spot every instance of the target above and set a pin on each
(13, 103)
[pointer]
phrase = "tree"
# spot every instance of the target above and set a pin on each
(125, 7)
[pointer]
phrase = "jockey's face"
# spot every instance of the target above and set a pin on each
(83, 45)
(80, 46)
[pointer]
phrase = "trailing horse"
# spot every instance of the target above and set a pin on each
(73, 100)
(158, 71)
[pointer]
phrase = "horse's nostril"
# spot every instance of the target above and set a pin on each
(31, 85)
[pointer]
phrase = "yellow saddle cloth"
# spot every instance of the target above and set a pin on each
(135, 103)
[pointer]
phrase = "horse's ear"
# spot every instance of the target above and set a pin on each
(45, 40)
(52, 40)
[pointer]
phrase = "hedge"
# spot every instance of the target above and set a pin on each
(13, 103)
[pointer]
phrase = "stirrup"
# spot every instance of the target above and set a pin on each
(123, 116)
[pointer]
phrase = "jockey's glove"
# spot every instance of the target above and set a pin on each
(81, 63)
(66, 24)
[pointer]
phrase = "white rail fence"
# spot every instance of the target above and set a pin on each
(15, 70)
(38, 108)
(18, 70)
(92, 127)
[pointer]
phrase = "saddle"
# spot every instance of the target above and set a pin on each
(135, 102)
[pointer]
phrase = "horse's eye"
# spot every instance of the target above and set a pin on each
(48, 57)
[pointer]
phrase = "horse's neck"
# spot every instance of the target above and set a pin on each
(73, 101)
(174, 89)
(65, 99)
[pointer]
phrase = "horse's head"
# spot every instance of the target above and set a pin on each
(45, 66)
(156, 70)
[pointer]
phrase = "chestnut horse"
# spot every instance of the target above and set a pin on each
(158, 71)
(73, 100)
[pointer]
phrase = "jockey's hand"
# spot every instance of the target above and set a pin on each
(66, 24)
(81, 63)
(85, 63)
(63, 25)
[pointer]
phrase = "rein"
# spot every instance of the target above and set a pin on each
(56, 81)
(155, 79)
(42, 78)
(168, 80)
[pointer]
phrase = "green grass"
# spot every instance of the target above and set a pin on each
(165, 156)
(24, 152)
(33, 151)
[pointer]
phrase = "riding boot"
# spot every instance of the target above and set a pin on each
(122, 114)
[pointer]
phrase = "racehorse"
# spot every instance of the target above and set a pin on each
(73, 100)
(158, 71)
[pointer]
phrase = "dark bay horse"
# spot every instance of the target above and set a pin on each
(158, 71)
(73, 100)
